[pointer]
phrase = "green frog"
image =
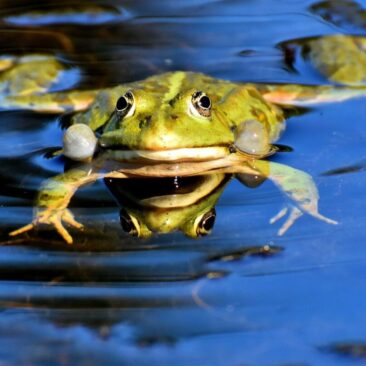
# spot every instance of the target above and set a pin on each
(173, 124)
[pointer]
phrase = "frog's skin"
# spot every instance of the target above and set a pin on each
(161, 127)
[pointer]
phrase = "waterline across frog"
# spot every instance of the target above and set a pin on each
(173, 124)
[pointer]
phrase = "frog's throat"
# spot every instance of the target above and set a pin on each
(173, 155)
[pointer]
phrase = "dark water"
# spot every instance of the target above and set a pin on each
(221, 300)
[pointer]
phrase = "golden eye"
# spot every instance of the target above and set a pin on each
(125, 105)
(129, 224)
(201, 104)
(206, 223)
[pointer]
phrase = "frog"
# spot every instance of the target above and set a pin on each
(174, 124)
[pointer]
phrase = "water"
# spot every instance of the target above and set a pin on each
(220, 300)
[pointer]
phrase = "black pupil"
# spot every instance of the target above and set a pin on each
(208, 222)
(122, 104)
(205, 102)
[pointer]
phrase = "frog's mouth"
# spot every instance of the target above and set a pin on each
(172, 155)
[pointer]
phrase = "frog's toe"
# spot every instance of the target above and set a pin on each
(22, 230)
(295, 213)
(57, 223)
(68, 217)
(279, 215)
(56, 219)
(321, 217)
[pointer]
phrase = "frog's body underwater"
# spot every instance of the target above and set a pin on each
(173, 124)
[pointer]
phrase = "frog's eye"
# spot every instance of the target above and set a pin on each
(125, 105)
(200, 104)
(205, 223)
(129, 223)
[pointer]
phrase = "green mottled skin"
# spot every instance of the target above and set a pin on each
(163, 121)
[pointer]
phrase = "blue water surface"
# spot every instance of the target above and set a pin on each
(114, 300)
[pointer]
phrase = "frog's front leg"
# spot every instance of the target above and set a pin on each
(53, 200)
(298, 186)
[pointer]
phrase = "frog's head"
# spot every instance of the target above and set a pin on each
(166, 119)
(178, 116)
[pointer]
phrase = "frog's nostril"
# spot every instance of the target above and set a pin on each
(145, 122)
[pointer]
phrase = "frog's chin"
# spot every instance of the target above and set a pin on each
(172, 155)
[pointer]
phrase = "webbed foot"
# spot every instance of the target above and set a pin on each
(54, 218)
(299, 187)
(295, 213)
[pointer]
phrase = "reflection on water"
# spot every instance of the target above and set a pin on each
(242, 295)
(165, 205)
(353, 168)
(52, 14)
(356, 350)
(347, 14)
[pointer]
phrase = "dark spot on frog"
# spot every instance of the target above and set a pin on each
(253, 93)
(174, 100)
(174, 117)
(232, 149)
(259, 115)
(145, 122)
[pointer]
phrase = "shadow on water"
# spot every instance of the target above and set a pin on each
(241, 295)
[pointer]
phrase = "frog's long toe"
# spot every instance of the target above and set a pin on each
(68, 217)
(22, 230)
